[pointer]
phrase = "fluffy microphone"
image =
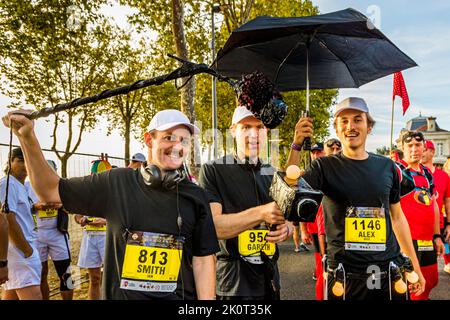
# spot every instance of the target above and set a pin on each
(259, 95)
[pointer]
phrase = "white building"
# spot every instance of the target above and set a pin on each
(431, 131)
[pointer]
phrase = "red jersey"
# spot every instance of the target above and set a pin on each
(442, 184)
(416, 200)
(312, 226)
(320, 222)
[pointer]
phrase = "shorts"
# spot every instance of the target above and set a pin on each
(92, 251)
(23, 272)
(53, 243)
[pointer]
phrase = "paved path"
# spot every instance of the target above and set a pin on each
(296, 275)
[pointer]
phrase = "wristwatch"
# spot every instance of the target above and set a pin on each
(3, 263)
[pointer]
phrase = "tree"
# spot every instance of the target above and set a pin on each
(384, 151)
(197, 23)
(53, 52)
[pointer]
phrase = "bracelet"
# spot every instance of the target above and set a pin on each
(296, 147)
(437, 235)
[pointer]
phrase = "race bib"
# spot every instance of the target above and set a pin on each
(152, 262)
(365, 229)
(91, 228)
(48, 213)
(252, 242)
(425, 245)
(35, 221)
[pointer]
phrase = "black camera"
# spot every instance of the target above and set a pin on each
(298, 203)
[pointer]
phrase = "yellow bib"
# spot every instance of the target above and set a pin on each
(152, 262)
(48, 213)
(425, 245)
(365, 229)
(251, 242)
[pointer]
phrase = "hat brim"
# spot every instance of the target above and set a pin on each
(337, 113)
(192, 128)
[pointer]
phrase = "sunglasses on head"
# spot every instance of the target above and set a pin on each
(333, 142)
(418, 136)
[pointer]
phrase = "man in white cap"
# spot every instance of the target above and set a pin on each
(137, 160)
(364, 223)
(238, 188)
(161, 239)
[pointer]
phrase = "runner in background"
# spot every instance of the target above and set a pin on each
(53, 242)
(92, 250)
(442, 184)
(418, 201)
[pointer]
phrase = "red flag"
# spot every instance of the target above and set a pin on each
(400, 90)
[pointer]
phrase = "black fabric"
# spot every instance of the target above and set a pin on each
(238, 187)
(339, 51)
(357, 290)
(426, 258)
(61, 267)
(373, 182)
(62, 221)
(122, 198)
(407, 183)
(315, 238)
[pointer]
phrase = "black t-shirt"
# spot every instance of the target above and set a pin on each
(237, 187)
(121, 197)
(345, 182)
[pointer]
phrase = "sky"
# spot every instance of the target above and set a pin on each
(420, 29)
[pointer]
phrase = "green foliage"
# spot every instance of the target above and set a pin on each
(53, 52)
(156, 16)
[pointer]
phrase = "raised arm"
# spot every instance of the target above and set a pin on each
(303, 129)
(43, 179)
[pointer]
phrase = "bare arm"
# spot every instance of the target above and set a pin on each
(17, 237)
(43, 179)
(403, 235)
(205, 277)
(447, 212)
(303, 129)
(3, 237)
(3, 247)
(438, 243)
(232, 224)
(322, 244)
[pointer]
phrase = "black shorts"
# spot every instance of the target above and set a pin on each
(356, 288)
(426, 258)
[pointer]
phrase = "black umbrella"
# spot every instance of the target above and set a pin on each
(341, 49)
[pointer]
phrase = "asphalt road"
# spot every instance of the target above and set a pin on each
(296, 271)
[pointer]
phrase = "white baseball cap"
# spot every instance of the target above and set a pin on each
(353, 103)
(166, 119)
(240, 113)
(138, 157)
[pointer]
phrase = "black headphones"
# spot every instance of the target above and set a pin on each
(152, 177)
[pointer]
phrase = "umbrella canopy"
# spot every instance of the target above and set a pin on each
(343, 48)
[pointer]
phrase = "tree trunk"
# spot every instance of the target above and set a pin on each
(127, 133)
(64, 161)
(188, 91)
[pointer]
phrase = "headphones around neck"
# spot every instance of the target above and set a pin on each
(152, 177)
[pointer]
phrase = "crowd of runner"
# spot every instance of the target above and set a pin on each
(150, 231)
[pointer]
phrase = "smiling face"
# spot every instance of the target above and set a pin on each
(250, 135)
(168, 149)
(352, 128)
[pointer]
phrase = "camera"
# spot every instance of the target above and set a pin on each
(298, 202)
